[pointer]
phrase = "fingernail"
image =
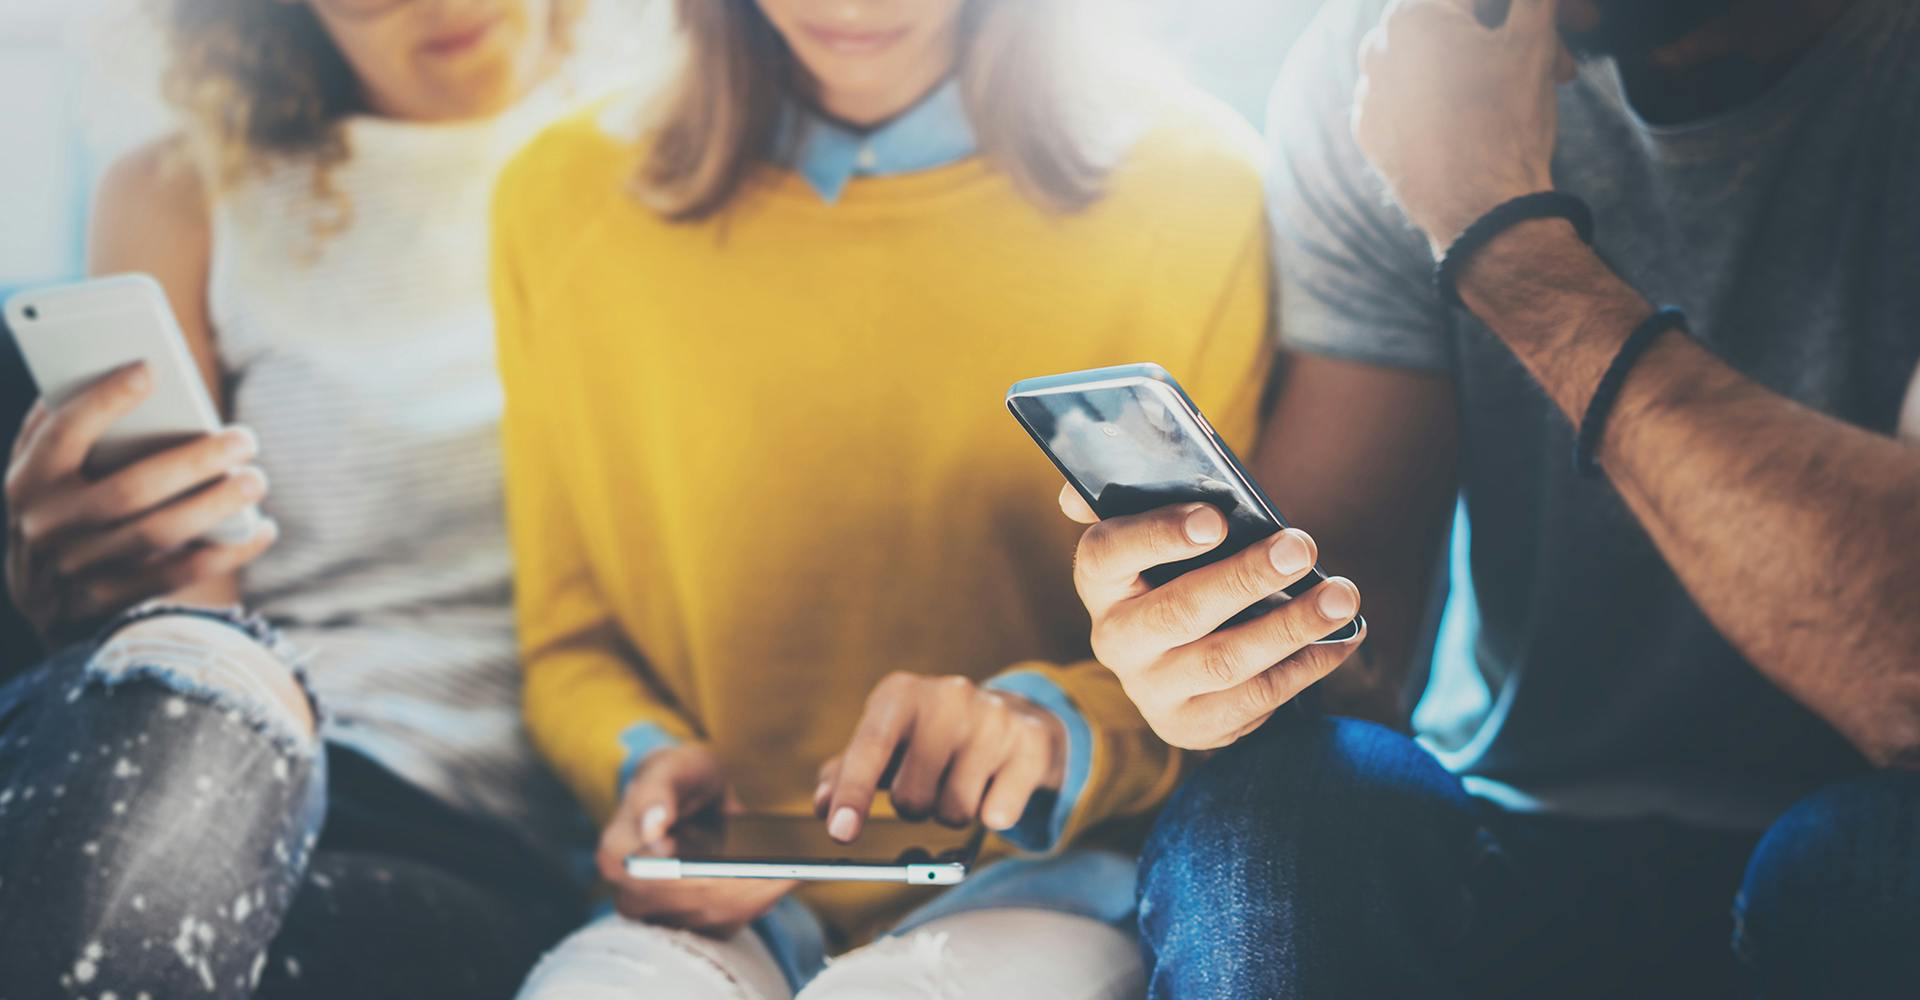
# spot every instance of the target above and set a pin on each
(1339, 599)
(253, 482)
(1290, 554)
(844, 825)
(1203, 525)
(239, 443)
(137, 376)
(269, 527)
(996, 821)
(821, 792)
(653, 822)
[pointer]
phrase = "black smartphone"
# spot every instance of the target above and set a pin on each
(1129, 439)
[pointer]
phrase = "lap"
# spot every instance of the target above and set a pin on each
(140, 808)
(407, 897)
(992, 954)
(998, 954)
(1830, 901)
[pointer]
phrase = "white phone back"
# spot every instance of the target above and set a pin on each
(72, 335)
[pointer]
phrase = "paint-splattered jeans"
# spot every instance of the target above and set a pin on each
(161, 838)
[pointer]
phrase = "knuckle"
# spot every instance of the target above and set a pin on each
(1095, 550)
(1260, 692)
(1218, 663)
(1251, 575)
(156, 533)
(32, 528)
(117, 495)
(1171, 613)
(1285, 627)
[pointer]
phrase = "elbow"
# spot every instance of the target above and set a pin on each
(1888, 731)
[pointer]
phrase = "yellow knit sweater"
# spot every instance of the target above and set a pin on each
(756, 464)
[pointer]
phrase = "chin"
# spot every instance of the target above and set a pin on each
(480, 92)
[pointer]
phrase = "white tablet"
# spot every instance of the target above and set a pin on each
(797, 847)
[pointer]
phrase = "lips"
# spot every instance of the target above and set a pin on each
(847, 41)
(459, 40)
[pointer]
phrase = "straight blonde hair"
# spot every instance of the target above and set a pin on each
(1033, 75)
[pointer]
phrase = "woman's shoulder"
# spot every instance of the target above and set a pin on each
(153, 195)
(1192, 146)
(574, 165)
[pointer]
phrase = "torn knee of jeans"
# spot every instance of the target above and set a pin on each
(605, 954)
(918, 964)
(211, 662)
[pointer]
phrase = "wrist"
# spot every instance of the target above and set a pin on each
(1545, 293)
(1443, 227)
(1056, 730)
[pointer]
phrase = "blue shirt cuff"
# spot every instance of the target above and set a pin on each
(640, 740)
(1046, 817)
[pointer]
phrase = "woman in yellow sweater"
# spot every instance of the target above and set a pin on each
(773, 528)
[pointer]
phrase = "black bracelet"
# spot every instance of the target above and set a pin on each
(1502, 217)
(1594, 424)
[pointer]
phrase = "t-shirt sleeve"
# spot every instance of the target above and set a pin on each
(1355, 276)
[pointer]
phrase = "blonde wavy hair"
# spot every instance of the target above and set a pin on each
(262, 81)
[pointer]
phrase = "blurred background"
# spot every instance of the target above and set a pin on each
(78, 81)
(79, 85)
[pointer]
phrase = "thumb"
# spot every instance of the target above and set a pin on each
(1534, 20)
(666, 790)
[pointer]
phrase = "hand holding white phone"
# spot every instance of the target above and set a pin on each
(122, 485)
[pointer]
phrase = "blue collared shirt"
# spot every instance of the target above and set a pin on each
(932, 133)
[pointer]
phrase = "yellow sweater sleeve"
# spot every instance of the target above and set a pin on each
(584, 689)
(1132, 770)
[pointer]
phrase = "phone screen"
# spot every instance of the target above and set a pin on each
(1135, 446)
(804, 840)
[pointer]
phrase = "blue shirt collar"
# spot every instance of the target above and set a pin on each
(932, 133)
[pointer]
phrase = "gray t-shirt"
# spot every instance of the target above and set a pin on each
(1789, 231)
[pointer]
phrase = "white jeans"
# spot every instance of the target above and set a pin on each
(991, 954)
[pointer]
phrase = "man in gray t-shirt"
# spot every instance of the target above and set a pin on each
(1701, 665)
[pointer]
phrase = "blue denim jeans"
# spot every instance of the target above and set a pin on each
(161, 839)
(1326, 857)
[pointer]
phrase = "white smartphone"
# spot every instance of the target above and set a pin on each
(72, 335)
(797, 847)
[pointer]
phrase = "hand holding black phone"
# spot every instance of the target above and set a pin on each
(1130, 440)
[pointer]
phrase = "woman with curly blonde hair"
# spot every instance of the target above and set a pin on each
(331, 796)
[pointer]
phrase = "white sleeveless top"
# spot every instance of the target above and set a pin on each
(363, 357)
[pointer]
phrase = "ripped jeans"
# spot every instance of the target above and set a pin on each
(161, 837)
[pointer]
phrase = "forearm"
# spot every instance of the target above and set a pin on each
(1364, 459)
(1792, 530)
(580, 701)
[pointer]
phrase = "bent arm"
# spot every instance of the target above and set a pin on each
(1364, 458)
(151, 215)
(1792, 530)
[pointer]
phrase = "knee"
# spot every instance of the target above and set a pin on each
(1323, 788)
(197, 659)
(1831, 899)
(614, 958)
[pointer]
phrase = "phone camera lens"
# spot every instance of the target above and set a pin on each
(32, 312)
